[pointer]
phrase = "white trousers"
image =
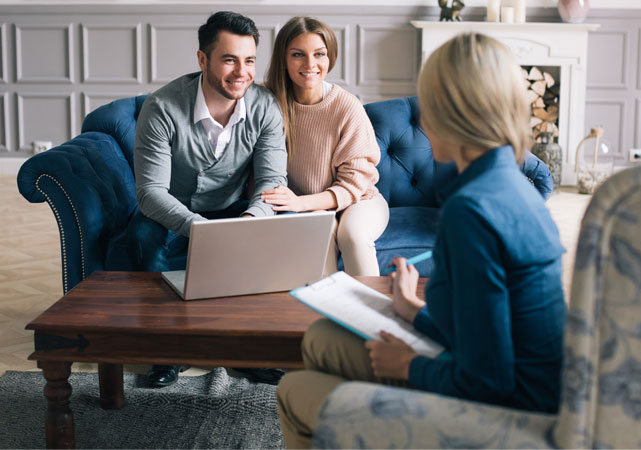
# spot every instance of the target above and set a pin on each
(359, 225)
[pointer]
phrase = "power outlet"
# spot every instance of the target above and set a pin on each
(41, 146)
(635, 155)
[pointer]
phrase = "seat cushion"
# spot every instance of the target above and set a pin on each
(411, 230)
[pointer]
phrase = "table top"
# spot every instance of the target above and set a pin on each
(141, 302)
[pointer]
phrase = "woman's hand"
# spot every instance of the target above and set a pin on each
(283, 198)
(390, 357)
(404, 283)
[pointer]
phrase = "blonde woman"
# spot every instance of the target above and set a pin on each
(494, 300)
(332, 150)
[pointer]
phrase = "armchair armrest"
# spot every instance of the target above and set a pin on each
(539, 174)
(90, 188)
(367, 415)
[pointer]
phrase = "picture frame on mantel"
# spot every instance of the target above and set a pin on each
(559, 45)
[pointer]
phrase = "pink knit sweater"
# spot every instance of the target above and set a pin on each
(335, 149)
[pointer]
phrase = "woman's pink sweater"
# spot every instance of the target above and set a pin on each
(335, 149)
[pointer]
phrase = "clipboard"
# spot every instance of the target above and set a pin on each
(362, 310)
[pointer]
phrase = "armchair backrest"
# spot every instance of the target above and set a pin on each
(601, 394)
(117, 119)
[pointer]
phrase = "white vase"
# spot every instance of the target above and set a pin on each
(573, 11)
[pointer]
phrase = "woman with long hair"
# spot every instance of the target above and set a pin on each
(331, 146)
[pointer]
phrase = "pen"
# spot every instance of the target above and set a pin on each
(413, 260)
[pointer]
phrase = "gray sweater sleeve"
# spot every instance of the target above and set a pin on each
(152, 166)
(269, 160)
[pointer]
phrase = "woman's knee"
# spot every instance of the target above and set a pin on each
(350, 235)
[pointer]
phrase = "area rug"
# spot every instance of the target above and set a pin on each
(207, 411)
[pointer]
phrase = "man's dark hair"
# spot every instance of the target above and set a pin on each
(225, 21)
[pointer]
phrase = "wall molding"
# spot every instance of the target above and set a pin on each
(70, 98)
(413, 52)
(20, 77)
(343, 51)
(639, 61)
(610, 133)
(4, 104)
(637, 121)
(595, 4)
(621, 85)
(153, 47)
(3, 54)
(88, 96)
(86, 72)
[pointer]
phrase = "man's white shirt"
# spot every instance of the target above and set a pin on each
(217, 135)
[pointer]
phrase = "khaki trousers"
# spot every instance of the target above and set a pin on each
(359, 225)
(332, 355)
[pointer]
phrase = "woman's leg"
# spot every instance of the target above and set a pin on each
(358, 227)
(331, 263)
(300, 396)
(332, 355)
(330, 348)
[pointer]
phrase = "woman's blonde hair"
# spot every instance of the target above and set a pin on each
(471, 91)
(278, 80)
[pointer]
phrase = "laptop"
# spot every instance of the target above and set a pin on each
(242, 256)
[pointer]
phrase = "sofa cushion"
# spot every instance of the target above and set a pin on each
(411, 230)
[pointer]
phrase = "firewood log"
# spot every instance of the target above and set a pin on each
(535, 74)
(539, 87)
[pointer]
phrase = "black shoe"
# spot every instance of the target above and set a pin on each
(162, 376)
(268, 376)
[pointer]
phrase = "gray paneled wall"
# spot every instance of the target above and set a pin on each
(57, 63)
(614, 81)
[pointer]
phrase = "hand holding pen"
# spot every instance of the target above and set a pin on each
(411, 261)
(404, 283)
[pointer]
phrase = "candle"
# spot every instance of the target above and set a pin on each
(493, 9)
(507, 14)
(519, 11)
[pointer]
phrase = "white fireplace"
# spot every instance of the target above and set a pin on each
(536, 44)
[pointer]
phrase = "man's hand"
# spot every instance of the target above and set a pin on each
(404, 283)
(390, 357)
(283, 198)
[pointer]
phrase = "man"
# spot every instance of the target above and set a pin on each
(198, 140)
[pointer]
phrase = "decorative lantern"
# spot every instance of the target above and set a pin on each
(592, 172)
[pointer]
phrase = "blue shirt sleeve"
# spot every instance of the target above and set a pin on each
(480, 363)
(424, 323)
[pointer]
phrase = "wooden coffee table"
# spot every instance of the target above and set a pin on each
(113, 318)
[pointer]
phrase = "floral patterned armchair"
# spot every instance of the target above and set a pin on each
(601, 395)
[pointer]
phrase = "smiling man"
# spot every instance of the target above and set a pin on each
(198, 140)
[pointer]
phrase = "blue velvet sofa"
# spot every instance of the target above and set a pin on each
(89, 184)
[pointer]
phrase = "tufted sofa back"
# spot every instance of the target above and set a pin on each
(409, 176)
(117, 119)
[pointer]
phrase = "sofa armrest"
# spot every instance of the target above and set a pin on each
(539, 174)
(367, 415)
(90, 188)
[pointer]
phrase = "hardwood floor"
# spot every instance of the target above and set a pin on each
(30, 268)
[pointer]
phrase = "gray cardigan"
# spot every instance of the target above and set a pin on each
(177, 175)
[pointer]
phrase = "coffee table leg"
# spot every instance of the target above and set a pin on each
(112, 395)
(59, 418)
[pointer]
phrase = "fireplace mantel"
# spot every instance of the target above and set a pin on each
(536, 44)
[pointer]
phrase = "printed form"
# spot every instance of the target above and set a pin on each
(362, 310)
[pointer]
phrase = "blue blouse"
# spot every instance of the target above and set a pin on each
(495, 299)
